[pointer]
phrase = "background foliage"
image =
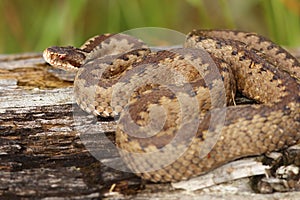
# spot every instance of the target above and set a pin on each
(32, 25)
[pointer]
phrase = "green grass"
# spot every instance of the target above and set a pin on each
(32, 25)
(283, 20)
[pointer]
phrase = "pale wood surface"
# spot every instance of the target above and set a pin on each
(43, 156)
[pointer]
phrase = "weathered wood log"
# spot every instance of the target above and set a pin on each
(43, 154)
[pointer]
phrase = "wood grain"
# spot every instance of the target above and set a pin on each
(42, 154)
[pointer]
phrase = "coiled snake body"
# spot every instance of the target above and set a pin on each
(179, 119)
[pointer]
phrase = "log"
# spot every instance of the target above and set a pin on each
(46, 150)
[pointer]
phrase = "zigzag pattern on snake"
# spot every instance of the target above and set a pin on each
(180, 119)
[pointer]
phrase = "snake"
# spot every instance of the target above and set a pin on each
(176, 112)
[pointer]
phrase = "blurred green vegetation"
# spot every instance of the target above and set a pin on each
(32, 25)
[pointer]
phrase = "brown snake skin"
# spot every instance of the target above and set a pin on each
(180, 119)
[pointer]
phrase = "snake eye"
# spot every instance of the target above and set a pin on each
(62, 57)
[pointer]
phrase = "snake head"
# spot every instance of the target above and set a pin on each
(66, 58)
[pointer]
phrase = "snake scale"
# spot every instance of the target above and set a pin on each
(169, 102)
